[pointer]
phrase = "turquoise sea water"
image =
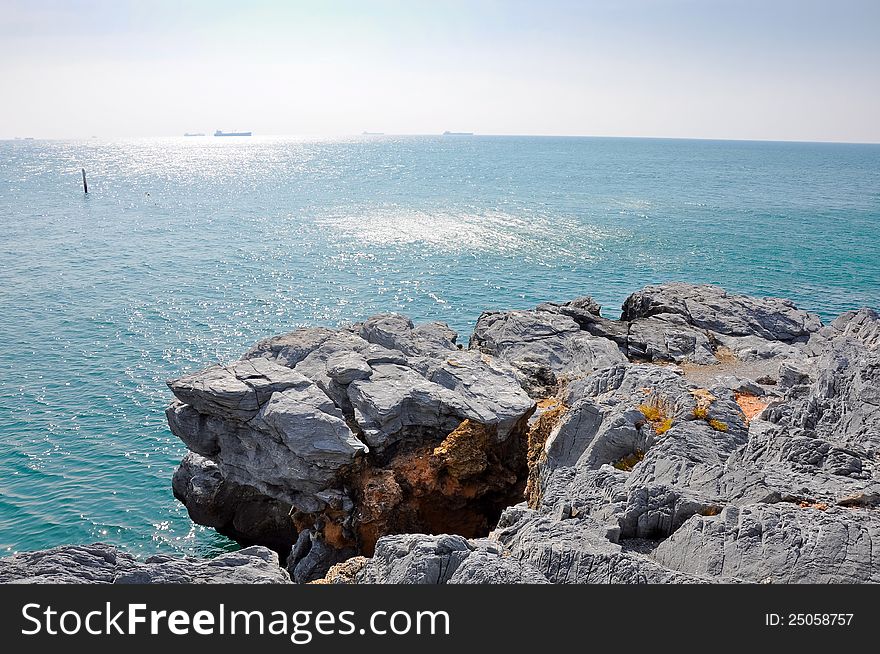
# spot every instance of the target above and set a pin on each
(188, 250)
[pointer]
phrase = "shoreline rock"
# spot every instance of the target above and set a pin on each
(100, 563)
(703, 437)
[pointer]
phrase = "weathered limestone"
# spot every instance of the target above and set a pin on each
(379, 428)
(105, 564)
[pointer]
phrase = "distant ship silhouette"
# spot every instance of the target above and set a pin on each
(194, 134)
(448, 133)
(222, 133)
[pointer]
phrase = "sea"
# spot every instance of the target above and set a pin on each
(187, 250)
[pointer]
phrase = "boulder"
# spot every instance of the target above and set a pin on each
(543, 345)
(237, 391)
(105, 564)
(713, 309)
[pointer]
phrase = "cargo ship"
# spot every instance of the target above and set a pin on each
(222, 133)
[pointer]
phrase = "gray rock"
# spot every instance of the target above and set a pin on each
(817, 443)
(252, 565)
(422, 559)
(670, 455)
(346, 367)
(433, 396)
(289, 349)
(668, 337)
(68, 564)
(588, 436)
(679, 323)
(305, 416)
(345, 349)
(654, 512)
(105, 564)
(782, 543)
(236, 391)
(607, 419)
(239, 512)
(842, 401)
(291, 448)
(583, 309)
(396, 332)
(756, 348)
(200, 432)
(311, 427)
(397, 401)
(488, 389)
(539, 343)
(311, 557)
(485, 566)
(587, 314)
(713, 309)
(576, 551)
(415, 559)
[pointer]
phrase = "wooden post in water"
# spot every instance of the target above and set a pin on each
(85, 186)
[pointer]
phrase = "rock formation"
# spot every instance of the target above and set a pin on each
(702, 437)
(105, 564)
(374, 429)
(728, 439)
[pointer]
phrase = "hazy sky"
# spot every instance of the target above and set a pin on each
(761, 69)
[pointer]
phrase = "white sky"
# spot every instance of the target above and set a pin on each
(784, 69)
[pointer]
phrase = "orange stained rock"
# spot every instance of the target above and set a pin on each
(463, 451)
(751, 405)
(537, 439)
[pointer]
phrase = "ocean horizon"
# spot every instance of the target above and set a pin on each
(378, 135)
(185, 251)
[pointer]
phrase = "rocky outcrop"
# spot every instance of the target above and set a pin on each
(105, 564)
(547, 344)
(321, 441)
(713, 309)
(238, 511)
(778, 543)
(733, 440)
(443, 559)
(675, 323)
(681, 474)
(661, 441)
